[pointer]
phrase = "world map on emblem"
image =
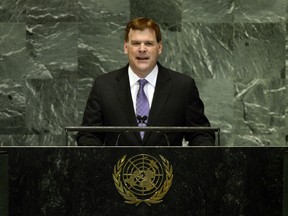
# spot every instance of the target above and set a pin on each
(143, 175)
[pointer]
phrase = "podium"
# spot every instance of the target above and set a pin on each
(164, 130)
(3, 183)
(206, 181)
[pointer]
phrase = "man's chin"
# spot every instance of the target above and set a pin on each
(143, 71)
(142, 66)
(142, 61)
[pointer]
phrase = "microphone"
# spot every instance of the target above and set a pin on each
(141, 119)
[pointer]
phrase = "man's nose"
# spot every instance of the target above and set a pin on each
(142, 47)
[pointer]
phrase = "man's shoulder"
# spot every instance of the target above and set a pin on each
(176, 74)
(114, 74)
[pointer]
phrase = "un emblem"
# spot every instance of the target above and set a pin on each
(142, 178)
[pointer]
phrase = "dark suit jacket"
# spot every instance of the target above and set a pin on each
(176, 102)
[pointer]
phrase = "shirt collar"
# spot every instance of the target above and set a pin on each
(151, 77)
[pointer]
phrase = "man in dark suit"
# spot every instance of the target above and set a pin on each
(171, 98)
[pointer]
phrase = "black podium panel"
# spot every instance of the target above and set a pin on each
(206, 181)
(3, 183)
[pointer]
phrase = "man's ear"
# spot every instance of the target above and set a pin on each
(125, 47)
(160, 47)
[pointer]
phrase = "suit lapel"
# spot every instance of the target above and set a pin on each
(123, 92)
(161, 95)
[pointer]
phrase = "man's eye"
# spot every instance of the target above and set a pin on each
(149, 44)
(135, 43)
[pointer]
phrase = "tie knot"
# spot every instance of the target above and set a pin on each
(142, 82)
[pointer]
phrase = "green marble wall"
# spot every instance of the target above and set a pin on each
(50, 52)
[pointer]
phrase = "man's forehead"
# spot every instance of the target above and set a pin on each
(146, 32)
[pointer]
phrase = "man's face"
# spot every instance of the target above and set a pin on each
(143, 51)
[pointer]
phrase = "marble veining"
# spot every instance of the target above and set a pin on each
(50, 52)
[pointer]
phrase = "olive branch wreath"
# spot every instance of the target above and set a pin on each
(156, 198)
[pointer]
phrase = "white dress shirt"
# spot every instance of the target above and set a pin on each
(149, 88)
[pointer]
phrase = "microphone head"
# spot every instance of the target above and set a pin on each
(141, 119)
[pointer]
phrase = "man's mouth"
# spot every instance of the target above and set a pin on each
(142, 58)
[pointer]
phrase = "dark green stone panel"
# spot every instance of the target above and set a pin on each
(167, 13)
